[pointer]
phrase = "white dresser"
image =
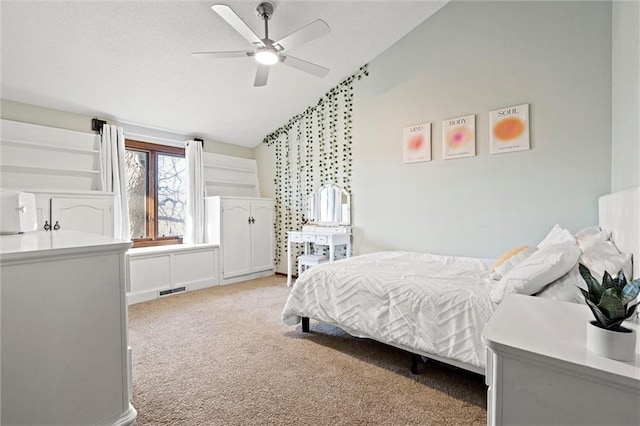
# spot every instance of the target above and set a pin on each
(65, 356)
(539, 370)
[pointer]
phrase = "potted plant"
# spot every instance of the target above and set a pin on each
(611, 304)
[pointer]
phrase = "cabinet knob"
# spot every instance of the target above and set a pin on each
(47, 226)
(56, 226)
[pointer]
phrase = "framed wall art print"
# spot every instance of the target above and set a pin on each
(459, 137)
(416, 143)
(509, 129)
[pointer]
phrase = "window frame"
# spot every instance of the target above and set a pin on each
(153, 150)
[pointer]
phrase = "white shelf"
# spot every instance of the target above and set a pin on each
(229, 183)
(48, 147)
(48, 170)
(71, 192)
(232, 168)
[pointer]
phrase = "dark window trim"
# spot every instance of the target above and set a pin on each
(152, 206)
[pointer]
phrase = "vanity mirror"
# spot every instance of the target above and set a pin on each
(327, 223)
(329, 205)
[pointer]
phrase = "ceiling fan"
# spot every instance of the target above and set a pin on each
(269, 52)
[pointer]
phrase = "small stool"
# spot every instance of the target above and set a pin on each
(309, 260)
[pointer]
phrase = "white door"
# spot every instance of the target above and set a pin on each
(261, 236)
(91, 215)
(236, 238)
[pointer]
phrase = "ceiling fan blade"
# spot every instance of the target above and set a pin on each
(313, 30)
(262, 74)
(238, 24)
(305, 66)
(217, 55)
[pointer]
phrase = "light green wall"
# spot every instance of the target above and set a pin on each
(474, 57)
(266, 161)
(25, 113)
(33, 114)
(471, 58)
(625, 134)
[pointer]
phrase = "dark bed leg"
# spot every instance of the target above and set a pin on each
(305, 324)
(414, 363)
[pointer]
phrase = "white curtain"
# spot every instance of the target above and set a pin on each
(114, 177)
(194, 218)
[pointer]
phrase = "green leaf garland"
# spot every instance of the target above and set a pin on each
(322, 136)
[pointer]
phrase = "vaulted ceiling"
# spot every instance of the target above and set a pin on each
(131, 61)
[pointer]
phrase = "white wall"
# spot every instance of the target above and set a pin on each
(625, 135)
(474, 57)
(26, 113)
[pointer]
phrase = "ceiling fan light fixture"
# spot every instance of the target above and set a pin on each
(266, 56)
(266, 51)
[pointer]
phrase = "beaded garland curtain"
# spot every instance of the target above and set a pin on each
(312, 149)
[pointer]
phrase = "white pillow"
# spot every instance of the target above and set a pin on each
(557, 235)
(537, 271)
(586, 233)
(590, 236)
(606, 257)
(565, 288)
(599, 238)
(511, 262)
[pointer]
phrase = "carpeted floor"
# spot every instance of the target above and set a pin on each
(223, 356)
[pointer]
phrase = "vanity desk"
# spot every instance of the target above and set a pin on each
(326, 236)
(328, 213)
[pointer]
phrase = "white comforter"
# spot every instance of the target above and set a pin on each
(431, 304)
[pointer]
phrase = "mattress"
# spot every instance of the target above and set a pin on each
(428, 303)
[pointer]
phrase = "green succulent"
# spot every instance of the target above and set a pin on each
(610, 300)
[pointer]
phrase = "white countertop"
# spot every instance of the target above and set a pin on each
(169, 248)
(53, 243)
(555, 331)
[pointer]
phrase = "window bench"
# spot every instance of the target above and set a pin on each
(165, 270)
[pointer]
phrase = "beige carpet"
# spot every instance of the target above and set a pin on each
(223, 356)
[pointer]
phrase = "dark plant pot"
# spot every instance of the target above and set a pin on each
(618, 345)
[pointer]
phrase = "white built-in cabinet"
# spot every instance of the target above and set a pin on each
(243, 229)
(62, 168)
(166, 270)
(90, 212)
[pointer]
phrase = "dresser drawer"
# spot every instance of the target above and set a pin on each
(295, 237)
(309, 238)
(322, 239)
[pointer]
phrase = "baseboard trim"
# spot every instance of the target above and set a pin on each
(127, 418)
(146, 295)
(240, 278)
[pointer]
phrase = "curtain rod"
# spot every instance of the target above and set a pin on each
(96, 124)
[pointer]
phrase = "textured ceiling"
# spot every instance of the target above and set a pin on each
(131, 62)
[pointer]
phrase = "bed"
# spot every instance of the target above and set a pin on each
(436, 306)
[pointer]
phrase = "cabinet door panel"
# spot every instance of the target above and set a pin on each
(43, 212)
(236, 238)
(262, 236)
(83, 214)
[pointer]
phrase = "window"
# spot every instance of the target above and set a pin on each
(156, 188)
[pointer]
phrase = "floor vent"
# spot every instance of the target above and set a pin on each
(172, 291)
